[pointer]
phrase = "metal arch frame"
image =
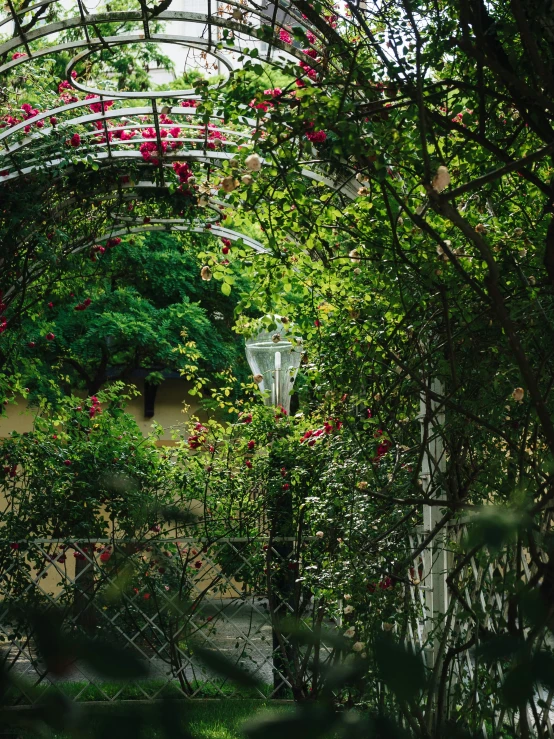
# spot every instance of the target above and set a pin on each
(105, 115)
(94, 20)
(117, 149)
(201, 155)
(170, 224)
(140, 15)
(284, 7)
(204, 155)
(126, 150)
(166, 225)
(108, 115)
(115, 41)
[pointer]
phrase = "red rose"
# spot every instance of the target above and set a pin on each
(248, 463)
(194, 442)
(67, 462)
(251, 444)
(50, 336)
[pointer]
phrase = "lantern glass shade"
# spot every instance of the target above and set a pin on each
(275, 355)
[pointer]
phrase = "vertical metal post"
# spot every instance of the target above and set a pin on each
(435, 556)
(277, 378)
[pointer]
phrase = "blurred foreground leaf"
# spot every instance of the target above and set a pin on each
(400, 669)
(225, 668)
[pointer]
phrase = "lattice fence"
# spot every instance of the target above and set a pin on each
(161, 597)
(464, 599)
(157, 599)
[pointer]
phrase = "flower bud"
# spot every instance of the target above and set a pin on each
(253, 163)
(518, 394)
(441, 180)
(229, 184)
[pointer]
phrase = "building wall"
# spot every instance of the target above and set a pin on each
(172, 400)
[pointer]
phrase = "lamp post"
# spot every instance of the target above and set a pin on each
(274, 357)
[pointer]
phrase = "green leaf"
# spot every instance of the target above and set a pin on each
(400, 669)
(225, 668)
(112, 661)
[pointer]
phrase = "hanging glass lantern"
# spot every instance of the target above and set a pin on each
(274, 357)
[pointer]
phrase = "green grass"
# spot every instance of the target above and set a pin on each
(224, 722)
(211, 719)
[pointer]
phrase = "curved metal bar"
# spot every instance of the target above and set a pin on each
(217, 231)
(186, 41)
(205, 156)
(285, 8)
(97, 20)
(113, 114)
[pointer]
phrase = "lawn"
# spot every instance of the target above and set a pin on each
(212, 719)
(223, 720)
